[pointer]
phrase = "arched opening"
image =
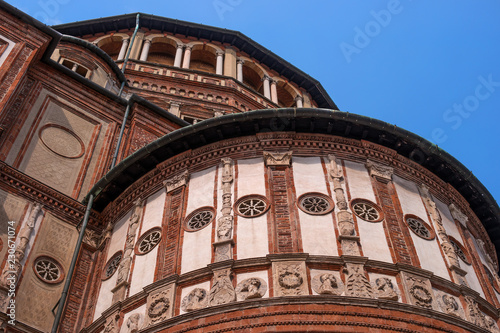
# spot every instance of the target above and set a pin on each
(111, 46)
(252, 79)
(285, 98)
(203, 59)
(162, 51)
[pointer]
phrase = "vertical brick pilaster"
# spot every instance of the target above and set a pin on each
(281, 210)
(75, 305)
(168, 258)
(399, 240)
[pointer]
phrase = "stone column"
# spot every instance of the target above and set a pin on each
(145, 50)
(347, 231)
(123, 50)
(220, 62)
(75, 67)
(274, 91)
(267, 89)
(299, 102)
(119, 291)
(187, 56)
(175, 109)
(239, 70)
(223, 245)
(178, 56)
(446, 246)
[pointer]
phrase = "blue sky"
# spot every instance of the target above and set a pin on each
(430, 67)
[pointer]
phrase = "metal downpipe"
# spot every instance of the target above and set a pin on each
(67, 283)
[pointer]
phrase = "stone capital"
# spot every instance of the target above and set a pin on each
(219, 53)
(379, 170)
(240, 61)
(278, 158)
(458, 215)
(176, 181)
(266, 77)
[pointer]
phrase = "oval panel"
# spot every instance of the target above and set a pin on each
(61, 141)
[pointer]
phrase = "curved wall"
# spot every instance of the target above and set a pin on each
(272, 223)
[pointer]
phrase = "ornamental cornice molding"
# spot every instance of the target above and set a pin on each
(54, 201)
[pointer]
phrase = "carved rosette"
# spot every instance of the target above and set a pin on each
(385, 289)
(176, 181)
(196, 299)
(119, 290)
(290, 278)
(347, 230)
(277, 158)
(327, 283)
(222, 290)
(251, 288)
(449, 304)
(357, 283)
(419, 291)
(10, 274)
(381, 172)
(443, 236)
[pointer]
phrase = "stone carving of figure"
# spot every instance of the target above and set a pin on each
(225, 227)
(196, 299)
(328, 284)
(385, 289)
(222, 291)
(133, 323)
(251, 288)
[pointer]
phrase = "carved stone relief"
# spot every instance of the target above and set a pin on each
(133, 324)
(159, 305)
(222, 290)
(357, 283)
(474, 315)
(458, 215)
(347, 230)
(196, 299)
(449, 304)
(385, 289)
(327, 283)
(418, 291)
(290, 278)
(443, 237)
(111, 325)
(11, 272)
(277, 158)
(126, 262)
(379, 170)
(491, 325)
(223, 246)
(176, 181)
(251, 288)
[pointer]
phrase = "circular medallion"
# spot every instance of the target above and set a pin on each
(419, 227)
(148, 241)
(112, 265)
(61, 141)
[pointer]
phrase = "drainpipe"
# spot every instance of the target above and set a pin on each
(62, 300)
(127, 111)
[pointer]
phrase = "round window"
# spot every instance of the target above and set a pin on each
(112, 265)
(460, 250)
(199, 219)
(419, 227)
(315, 203)
(367, 210)
(251, 205)
(148, 241)
(48, 270)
